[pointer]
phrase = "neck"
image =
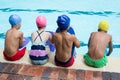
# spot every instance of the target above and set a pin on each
(41, 29)
(64, 31)
(15, 28)
(102, 31)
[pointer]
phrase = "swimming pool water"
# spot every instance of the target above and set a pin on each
(85, 16)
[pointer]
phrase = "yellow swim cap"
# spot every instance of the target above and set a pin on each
(103, 25)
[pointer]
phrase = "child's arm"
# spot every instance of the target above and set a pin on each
(110, 47)
(89, 40)
(76, 42)
(50, 36)
(32, 39)
(52, 39)
(21, 39)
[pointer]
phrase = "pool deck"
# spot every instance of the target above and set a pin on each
(11, 71)
(23, 70)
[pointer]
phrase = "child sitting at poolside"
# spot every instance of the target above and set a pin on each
(70, 30)
(63, 43)
(38, 53)
(13, 49)
(97, 44)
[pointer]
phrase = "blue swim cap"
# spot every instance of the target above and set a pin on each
(63, 22)
(14, 19)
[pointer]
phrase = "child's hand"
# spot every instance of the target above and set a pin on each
(23, 40)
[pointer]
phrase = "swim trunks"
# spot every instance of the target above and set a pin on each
(95, 63)
(64, 64)
(19, 54)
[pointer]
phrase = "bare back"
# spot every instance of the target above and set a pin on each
(13, 41)
(45, 36)
(97, 44)
(63, 43)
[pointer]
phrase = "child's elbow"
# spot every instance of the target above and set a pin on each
(78, 45)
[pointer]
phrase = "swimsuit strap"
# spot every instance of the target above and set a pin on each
(38, 36)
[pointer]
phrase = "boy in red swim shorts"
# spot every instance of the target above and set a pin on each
(13, 49)
(64, 42)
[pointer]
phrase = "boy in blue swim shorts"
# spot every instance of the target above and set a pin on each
(63, 43)
(97, 44)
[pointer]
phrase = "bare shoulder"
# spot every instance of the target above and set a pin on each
(20, 33)
(33, 34)
(93, 33)
(7, 32)
(55, 34)
(110, 36)
(47, 33)
(73, 37)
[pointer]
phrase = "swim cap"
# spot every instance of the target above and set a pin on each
(63, 22)
(14, 19)
(103, 25)
(41, 21)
